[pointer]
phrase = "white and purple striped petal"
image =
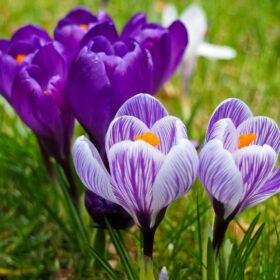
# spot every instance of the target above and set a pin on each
(91, 170)
(255, 164)
(221, 177)
(176, 175)
(231, 108)
(124, 128)
(225, 131)
(169, 130)
(144, 107)
(265, 129)
(270, 187)
(134, 166)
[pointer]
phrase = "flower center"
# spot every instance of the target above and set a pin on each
(246, 139)
(149, 138)
(45, 92)
(84, 27)
(20, 58)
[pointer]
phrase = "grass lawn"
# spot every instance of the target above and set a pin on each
(43, 237)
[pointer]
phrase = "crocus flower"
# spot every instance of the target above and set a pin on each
(17, 52)
(109, 69)
(194, 18)
(237, 163)
(38, 96)
(100, 208)
(71, 29)
(166, 45)
(151, 163)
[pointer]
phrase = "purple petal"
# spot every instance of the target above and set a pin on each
(176, 175)
(265, 129)
(124, 128)
(225, 131)
(32, 33)
(90, 168)
(8, 71)
(144, 107)
(89, 94)
(255, 164)
(220, 177)
(231, 108)
(134, 166)
(270, 187)
(134, 26)
(4, 44)
(106, 29)
(170, 130)
(179, 42)
(133, 74)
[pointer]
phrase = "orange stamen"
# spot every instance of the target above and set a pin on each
(84, 27)
(45, 92)
(149, 138)
(20, 58)
(246, 139)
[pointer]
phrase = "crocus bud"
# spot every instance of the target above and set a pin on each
(100, 208)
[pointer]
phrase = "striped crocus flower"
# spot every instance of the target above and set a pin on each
(151, 163)
(237, 163)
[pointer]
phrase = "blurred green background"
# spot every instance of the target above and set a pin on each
(39, 236)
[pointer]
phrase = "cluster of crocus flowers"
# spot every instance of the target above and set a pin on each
(237, 163)
(151, 163)
(86, 71)
(110, 68)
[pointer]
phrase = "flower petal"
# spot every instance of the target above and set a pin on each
(176, 175)
(170, 130)
(179, 40)
(265, 129)
(134, 166)
(231, 108)
(124, 128)
(144, 107)
(225, 131)
(220, 177)
(270, 187)
(91, 170)
(216, 52)
(255, 164)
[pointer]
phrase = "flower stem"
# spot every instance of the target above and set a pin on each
(46, 158)
(146, 267)
(100, 245)
(65, 164)
(220, 228)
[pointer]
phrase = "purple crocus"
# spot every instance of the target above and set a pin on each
(237, 163)
(38, 96)
(151, 163)
(71, 29)
(110, 68)
(101, 209)
(166, 45)
(17, 52)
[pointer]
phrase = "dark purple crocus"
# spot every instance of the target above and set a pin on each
(237, 163)
(71, 29)
(110, 68)
(166, 45)
(101, 209)
(17, 52)
(38, 96)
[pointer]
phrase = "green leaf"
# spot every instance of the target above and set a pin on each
(122, 251)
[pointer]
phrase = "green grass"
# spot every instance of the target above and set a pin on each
(42, 236)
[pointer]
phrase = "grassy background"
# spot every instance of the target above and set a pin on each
(40, 236)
